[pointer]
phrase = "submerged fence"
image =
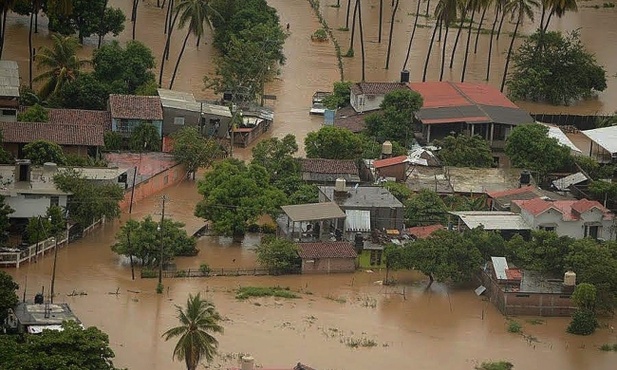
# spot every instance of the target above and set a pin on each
(193, 273)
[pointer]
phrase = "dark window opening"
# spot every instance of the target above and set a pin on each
(54, 200)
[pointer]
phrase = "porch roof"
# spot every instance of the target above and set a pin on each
(313, 211)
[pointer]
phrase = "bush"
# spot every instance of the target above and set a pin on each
(113, 140)
(148, 273)
(253, 291)
(320, 35)
(205, 269)
(181, 273)
(501, 365)
(159, 288)
(268, 229)
(584, 322)
(515, 327)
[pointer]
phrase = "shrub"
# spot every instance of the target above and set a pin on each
(113, 140)
(159, 288)
(148, 274)
(501, 365)
(584, 322)
(268, 229)
(205, 269)
(320, 35)
(180, 273)
(253, 291)
(514, 327)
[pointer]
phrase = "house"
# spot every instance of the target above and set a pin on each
(327, 257)
(310, 222)
(63, 116)
(501, 200)
(574, 218)
(603, 146)
(180, 109)
(518, 292)
(394, 167)
(248, 363)
(423, 232)
(128, 111)
(507, 224)
(348, 118)
(33, 318)
(385, 211)
(325, 171)
(368, 96)
(254, 122)
(9, 90)
(469, 108)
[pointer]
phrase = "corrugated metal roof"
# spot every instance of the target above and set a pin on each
(9, 78)
(606, 137)
(565, 182)
(186, 101)
(555, 132)
(493, 220)
(357, 221)
(500, 265)
(507, 115)
(313, 211)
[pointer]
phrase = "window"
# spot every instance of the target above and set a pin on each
(547, 228)
(33, 196)
(123, 126)
(591, 231)
(54, 200)
(178, 120)
(9, 112)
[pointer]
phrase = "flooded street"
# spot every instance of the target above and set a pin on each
(411, 327)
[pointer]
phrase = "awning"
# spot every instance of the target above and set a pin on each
(357, 221)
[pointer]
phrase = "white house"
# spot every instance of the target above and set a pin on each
(368, 96)
(574, 218)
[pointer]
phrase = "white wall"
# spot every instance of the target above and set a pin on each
(365, 103)
(26, 207)
(574, 229)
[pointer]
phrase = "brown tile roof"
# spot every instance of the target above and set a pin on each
(62, 134)
(377, 88)
(136, 107)
(422, 232)
(80, 117)
(330, 166)
(326, 250)
(348, 118)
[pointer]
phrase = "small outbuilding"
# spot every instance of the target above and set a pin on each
(603, 146)
(33, 318)
(327, 257)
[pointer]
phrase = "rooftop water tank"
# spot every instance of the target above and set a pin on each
(340, 185)
(525, 178)
(404, 76)
(386, 148)
(569, 278)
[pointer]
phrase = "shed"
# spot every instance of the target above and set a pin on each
(327, 257)
(395, 167)
(507, 224)
(603, 143)
(306, 221)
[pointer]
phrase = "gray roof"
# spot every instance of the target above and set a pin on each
(500, 265)
(492, 220)
(313, 211)
(507, 115)
(9, 78)
(452, 114)
(362, 197)
(357, 221)
(606, 137)
(186, 101)
(34, 314)
(573, 179)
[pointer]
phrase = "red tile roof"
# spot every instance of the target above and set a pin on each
(376, 88)
(329, 166)
(135, 107)
(348, 118)
(326, 250)
(509, 192)
(380, 163)
(514, 274)
(485, 94)
(570, 209)
(80, 117)
(422, 232)
(62, 134)
(457, 94)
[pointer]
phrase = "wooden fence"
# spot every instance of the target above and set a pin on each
(191, 273)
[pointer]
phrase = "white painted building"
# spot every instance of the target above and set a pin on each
(574, 218)
(368, 96)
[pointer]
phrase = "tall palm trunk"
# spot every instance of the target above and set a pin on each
(102, 16)
(428, 5)
(475, 47)
(173, 77)
(428, 54)
(391, 32)
(347, 17)
(166, 49)
(473, 13)
(2, 32)
(168, 16)
(30, 51)
(490, 46)
(353, 26)
(548, 20)
(135, 7)
(361, 38)
(380, 20)
(503, 16)
(458, 35)
(443, 52)
(413, 33)
(505, 71)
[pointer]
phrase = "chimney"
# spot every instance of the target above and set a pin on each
(248, 363)
(386, 149)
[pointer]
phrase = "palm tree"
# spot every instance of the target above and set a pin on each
(499, 9)
(484, 5)
(464, 7)
(380, 20)
(559, 8)
(413, 33)
(198, 321)
(522, 9)
(167, 47)
(361, 38)
(5, 7)
(353, 29)
(391, 32)
(347, 17)
(474, 7)
(196, 13)
(134, 16)
(61, 62)
(445, 12)
(441, 10)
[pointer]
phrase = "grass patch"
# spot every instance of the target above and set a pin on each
(343, 29)
(608, 347)
(358, 342)
(536, 321)
(255, 291)
(515, 327)
(364, 261)
(493, 365)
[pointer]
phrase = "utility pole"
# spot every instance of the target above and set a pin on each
(160, 229)
(53, 271)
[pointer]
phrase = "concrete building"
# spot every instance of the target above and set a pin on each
(180, 109)
(33, 318)
(128, 111)
(327, 257)
(310, 222)
(368, 96)
(385, 211)
(9, 90)
(574, 218)
(502, 200)
(326, 171)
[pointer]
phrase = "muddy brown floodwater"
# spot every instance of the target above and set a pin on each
(420, 329)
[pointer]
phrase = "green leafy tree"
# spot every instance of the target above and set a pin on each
(305, 193)
(559, 72)
(89, 201)
(38, 229)
(276, 156)
(584, 322)
(530, 147)
(35, 113)
(603, 190)
(193, 150)
(399, 190)
(489, 243)
(41, 151)
(145, 137)
(595, 170)
(61, 63)
(129, 69)
(235, 195)
(584, 296)
(112, 22)
(85, 92)
(393, 122)
(86, 18)
(199, 320)
(465, 151)
(71, 348)
(340, 95)
(147, 89)
(425, 208)
(5, 224)
(333, 143)
(113, 140)
(545, 252)
(142, 239)
(8, 297)
(279, 256)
